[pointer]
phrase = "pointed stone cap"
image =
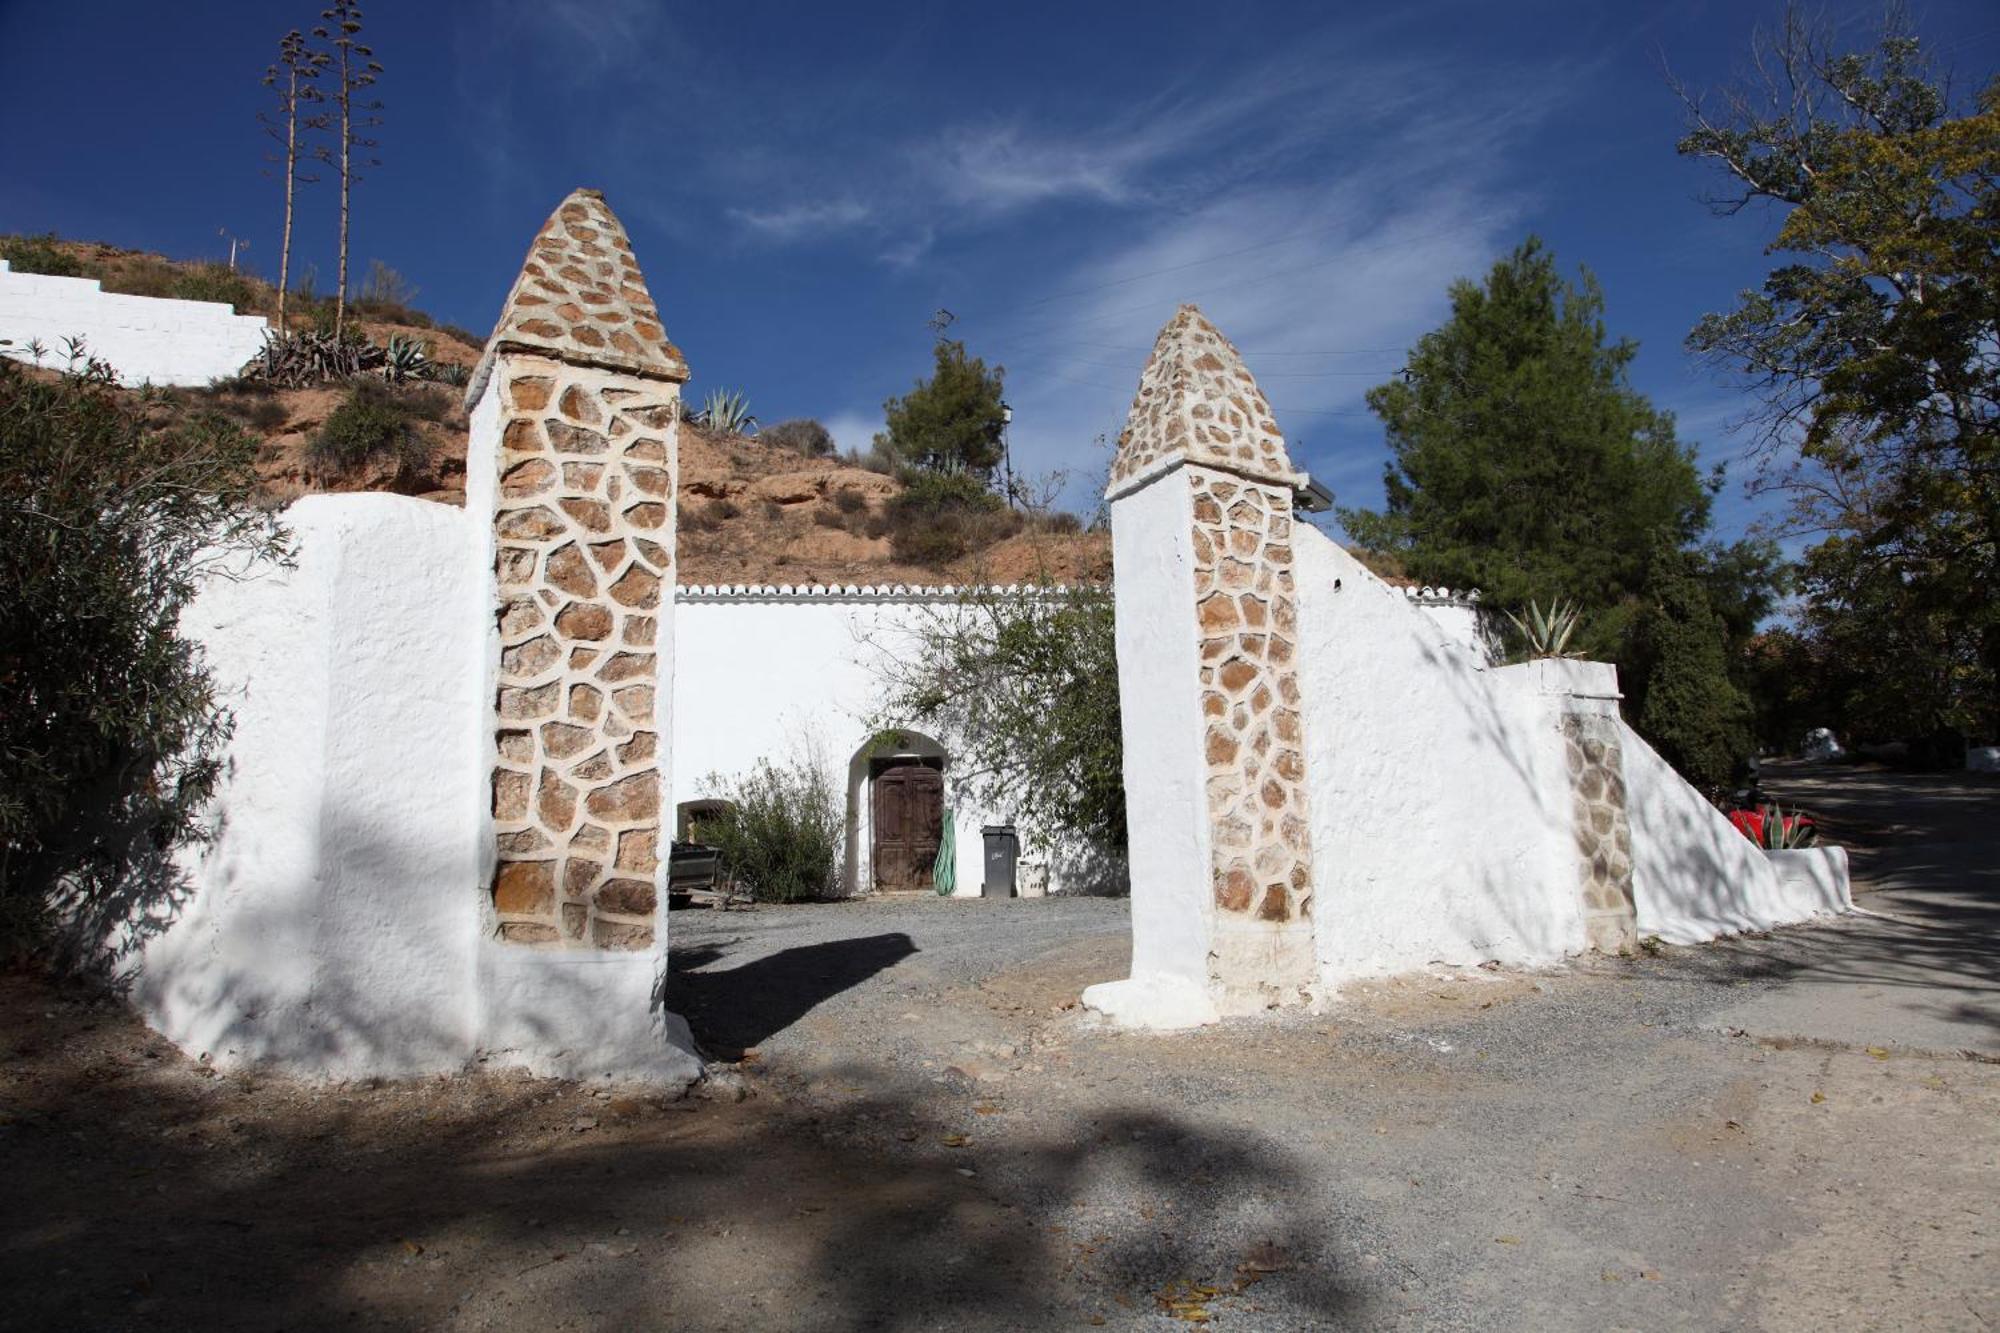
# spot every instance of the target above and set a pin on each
(1198, 402)
(580, 298)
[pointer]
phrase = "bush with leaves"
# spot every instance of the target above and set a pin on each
(941, 516)
(375, 421)
(111, 738)
(783, 831)
(1682, 698)
(216, 282)
(801, 435)
(1021, 686)
(39, 254)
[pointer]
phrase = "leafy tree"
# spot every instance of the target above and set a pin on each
(1875, 349)
(111, 738)
(295, 81)
(1022, 687)
(949, 422)
(1681, 696)
(1523, 463)
(355, 70)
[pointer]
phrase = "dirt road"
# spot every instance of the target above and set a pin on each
(931, 1140)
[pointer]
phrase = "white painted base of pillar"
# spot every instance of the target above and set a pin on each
(1158, 1002)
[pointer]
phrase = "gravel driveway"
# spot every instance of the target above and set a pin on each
(932, 1136)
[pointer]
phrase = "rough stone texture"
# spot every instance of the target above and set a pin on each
(1253, 740)
(580, 297)
(1198, 407)
(1603, 834)
(1198, 401)
(588, 391)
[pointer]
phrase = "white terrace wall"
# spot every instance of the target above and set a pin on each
(146, 339)
(763, 671)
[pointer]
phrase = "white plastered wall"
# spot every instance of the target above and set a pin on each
(146, 339)
(1694, 877)
(339, 924)
(763, 671)
(1440, 801)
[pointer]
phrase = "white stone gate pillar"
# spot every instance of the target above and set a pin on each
(1215, 778)
(573, 452)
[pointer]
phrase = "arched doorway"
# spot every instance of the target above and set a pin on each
(895, 813)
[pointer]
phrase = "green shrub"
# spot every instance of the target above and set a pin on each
(801, 435)
(374, 421)
(214, 282)
(849, 501)
(782, 835)
(38, 254)
(829, 518)
(941, 516)
(1059, 522)
(111, 738)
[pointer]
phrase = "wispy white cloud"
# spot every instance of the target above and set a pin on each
(804, 221)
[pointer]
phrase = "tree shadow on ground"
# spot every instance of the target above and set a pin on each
(733, 1010)
(143, 1193)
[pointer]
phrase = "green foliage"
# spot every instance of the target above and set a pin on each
(1783, 833)
(782, 834)
(727, 412)
(1680, 693)
(215, 282)
(1523, 463)
(1022, 688)
(111, 739)
(404, 359)
(301, 358)
(452, 373)
(801, 435)
(373, 421)
(941, 516)
(39, 254)
(950, 421)
(1547, 633)
(1872, 347)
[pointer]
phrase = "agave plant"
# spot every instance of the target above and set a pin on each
(1548, 632)
(727, 411)
(404, 359)
(1784, 833)
(301, 358)
(452, 373)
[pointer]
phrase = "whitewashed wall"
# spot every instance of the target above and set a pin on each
(1440, 800)
(147, 339)
(339, 924)
(761, 671)
(1442, 820)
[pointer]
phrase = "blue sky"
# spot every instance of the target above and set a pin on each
(805, 185)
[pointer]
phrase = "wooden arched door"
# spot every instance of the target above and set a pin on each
(908, 823)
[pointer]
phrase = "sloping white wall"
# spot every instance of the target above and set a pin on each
(147, 339)
(760, 671)
(1695, 877)
(1440, 801)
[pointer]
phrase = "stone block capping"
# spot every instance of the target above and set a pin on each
(583, 575)
(866, 592)
(1198, 402)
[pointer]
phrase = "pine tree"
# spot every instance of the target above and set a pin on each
(1685, 702)
(950, 422)
(1523, 463)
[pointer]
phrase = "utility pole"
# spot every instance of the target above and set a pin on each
(1007, 450)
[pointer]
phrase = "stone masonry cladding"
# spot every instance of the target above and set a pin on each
(1603, 832)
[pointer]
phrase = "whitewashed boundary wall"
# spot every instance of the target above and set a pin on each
(146, 339)
(338, 924)
(1456, 811)
(763, 671)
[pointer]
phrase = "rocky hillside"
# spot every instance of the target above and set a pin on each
(751, 512)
